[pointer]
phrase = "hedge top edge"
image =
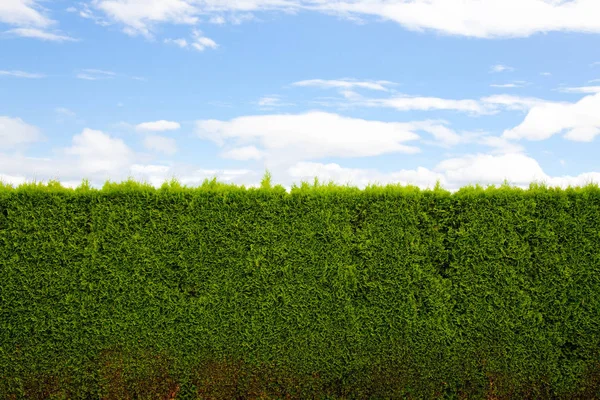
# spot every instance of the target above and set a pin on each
(212, 185)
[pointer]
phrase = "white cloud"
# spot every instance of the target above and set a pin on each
(40, 34)
(23, 13)
(92, 159)
(473, 18)
(287, 137)
(15, 132)
(362, 177)
(454, 173)
(545, 74)
(581, 89)
(160, 144)
(485, 168)
(21, 74)
(517, 169)
(501, 68)
(477, 18)
(12, 179)
(97, 156)
(98, 152)
(149, 169)
(227, 175)
(580, 121)
(345, 84)
(243, 153)
(157, 126)
(157, 174)
(153, 174)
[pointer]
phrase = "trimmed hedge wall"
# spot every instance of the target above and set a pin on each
(324, 292)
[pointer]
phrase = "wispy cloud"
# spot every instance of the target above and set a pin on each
(272, 101)
(21, 74)
(23, 13)
(484, 106)
(488, 105)
(95, 74)
(64, 112)
(217, 20)
(580, 89)
(505, 85)
(179, 42)
(500, 145)
(40, 34)
(64, 115)
(139, 19)
(501, 68)
(409, 103)
(85, 11)
(346, 83)
(513, 84)
(198, 42)
(201, 42)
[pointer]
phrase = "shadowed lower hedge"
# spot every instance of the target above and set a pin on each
(324, 292)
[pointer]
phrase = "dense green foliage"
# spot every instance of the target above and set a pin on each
(324, 291)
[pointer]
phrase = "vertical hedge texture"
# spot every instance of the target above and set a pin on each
(386, 292)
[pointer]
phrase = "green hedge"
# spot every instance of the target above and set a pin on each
(324, 292)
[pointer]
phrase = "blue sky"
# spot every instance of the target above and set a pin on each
(355, 91)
